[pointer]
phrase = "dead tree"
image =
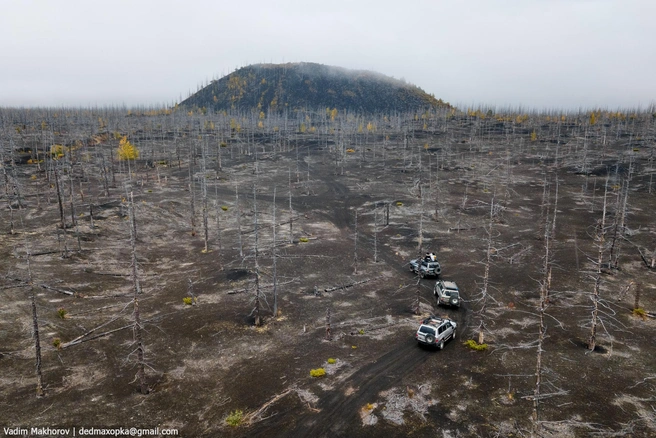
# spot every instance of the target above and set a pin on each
(273, 257)
(355, 245)
(545, 284)
(35, 331)
(206, 233)
(486, 278)
(137, 327)
(238, 213)
(375, 234)
(72, 202)
(420, 240)
(417, 304)
(636, 296)
(7, 195)
(218, 225)
(600, 238)
(59, 197)
(258, 305)
(291, 210)
(192, 207)
(329, 335)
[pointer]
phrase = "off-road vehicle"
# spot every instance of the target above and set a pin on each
(447, 293)
(426, 268)
(436, 331)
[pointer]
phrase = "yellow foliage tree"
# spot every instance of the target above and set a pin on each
(333, 114)
(302, 128)
(593, 118)
(126, 150)
(534, 136)
(371, 127)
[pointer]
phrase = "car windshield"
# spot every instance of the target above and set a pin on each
(427, 330)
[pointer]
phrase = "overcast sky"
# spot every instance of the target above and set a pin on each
(535, 53)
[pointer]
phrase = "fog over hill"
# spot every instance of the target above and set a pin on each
(280, 87)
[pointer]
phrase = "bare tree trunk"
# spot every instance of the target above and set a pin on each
(37, 345)
(141, 373)
(420, 240)
(35, 330)
(291, 211)
(600, 238)
(375, 234)
(218, 225)
(273, 256)
(238, 212)
(72, 201)
(256, 310)
(190, 291)
(206, 232)
(329, 335)
(486, 278)
(59, 198)
(355, 246)
(544, 299)
(416, 308)
(192, 208)
(637, 293)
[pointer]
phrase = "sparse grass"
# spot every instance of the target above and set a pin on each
(188, 301)
(640, 312)
(361, 331)
(56, 343)
(474, 345)
(61, 312)
(235, 418)
(369, 407)
(319, 372)
(331, 361)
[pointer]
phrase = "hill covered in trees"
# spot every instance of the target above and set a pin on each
(281, 87)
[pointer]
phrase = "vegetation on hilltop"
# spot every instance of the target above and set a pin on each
(280, 87)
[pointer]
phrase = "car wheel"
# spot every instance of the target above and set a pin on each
(430, 339)
(454, 303)
(422, 274)
(454, 334)
(441, 345)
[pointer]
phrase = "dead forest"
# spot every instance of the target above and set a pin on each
(246, 273)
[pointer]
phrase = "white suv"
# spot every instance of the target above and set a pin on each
(447, 293)
(436, 331)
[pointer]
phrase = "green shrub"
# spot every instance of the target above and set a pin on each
(331, 361)
(475, 345)
(640, 312)
(188, 301)
(319, 372)
(56, 343)
(361, 331)
(61, 312)
(235, 418)
(304, 239)
(224, 207)
(399, 204)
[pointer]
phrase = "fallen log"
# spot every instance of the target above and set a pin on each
(346, 286)
(61, 291)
